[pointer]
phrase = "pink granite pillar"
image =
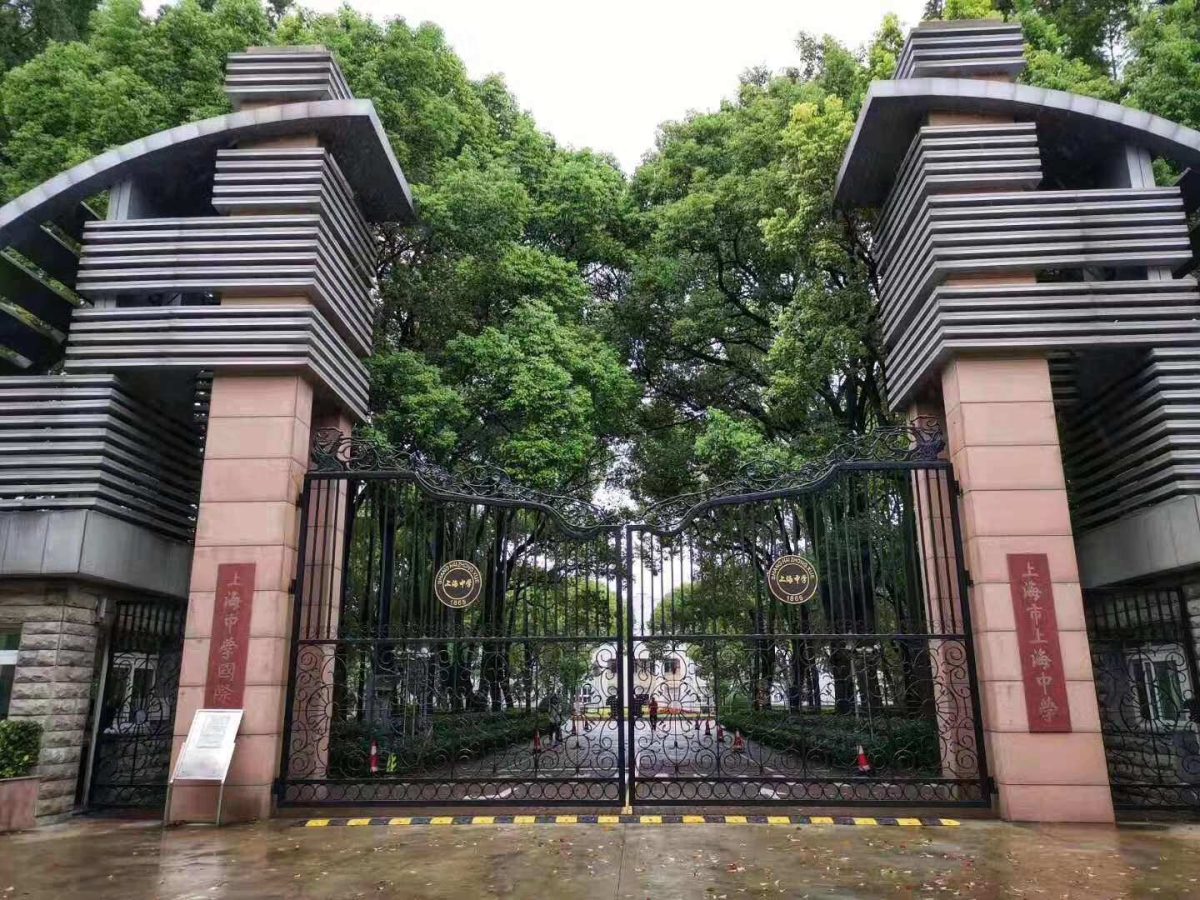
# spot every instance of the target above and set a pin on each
(255, 458)
(1003, 441)
(320, 583)
(943, 605)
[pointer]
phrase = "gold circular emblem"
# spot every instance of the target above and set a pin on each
(792, 579)
(458, 584)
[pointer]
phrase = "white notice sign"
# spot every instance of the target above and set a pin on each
(209, 747)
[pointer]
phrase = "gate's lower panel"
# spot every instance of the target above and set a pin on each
(412, 722)
(805, 720)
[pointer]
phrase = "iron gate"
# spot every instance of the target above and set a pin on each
(1144, 658)
(458, 646)
(462, 640)
(134, 713)
(858, 687)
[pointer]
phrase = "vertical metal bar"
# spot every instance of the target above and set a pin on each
(294, 654)
(98, 713)
(625, 691)
(347, 537)
(968, 634)
(624, 573)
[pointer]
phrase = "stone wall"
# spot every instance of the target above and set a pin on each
(1190, 585)
(60, 626)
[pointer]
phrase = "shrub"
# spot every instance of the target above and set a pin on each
(892, 743)
(448, 737)
(19, 744)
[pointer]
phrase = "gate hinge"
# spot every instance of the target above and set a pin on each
(292, 587)
(968, 579)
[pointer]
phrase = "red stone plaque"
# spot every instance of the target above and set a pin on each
(1037, 641)
(230, 636)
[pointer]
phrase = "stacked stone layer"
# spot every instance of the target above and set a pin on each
(55, 667)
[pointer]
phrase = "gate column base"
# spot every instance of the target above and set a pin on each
(1056, 803)
(242, 803)
(1003, 441)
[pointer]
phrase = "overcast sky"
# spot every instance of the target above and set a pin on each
(605, 73)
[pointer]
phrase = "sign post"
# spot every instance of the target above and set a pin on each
(207, 752)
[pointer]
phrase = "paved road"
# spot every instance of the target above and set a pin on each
(677, 747)
(131, 861)
(678, 750)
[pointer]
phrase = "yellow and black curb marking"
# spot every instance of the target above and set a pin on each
(632, 820)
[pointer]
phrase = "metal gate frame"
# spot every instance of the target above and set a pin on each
(133, 718)
(783, 773)
(907, 455)
(344, 465)
(1143, 648)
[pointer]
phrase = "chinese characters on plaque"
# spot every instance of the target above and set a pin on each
(230, 636)
(208, 750)
(792, 579)
(458, 584)
(1037, 641)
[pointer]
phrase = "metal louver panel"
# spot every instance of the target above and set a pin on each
(230, 338)
(255, 256)
(85, 442)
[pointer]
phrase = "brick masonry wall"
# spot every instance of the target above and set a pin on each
(1191, 596)
(56, 661)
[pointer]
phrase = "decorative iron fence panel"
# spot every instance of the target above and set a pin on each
(498, 683)
(1144, 660)
(461, 640)
(136, 706)
(858, 687)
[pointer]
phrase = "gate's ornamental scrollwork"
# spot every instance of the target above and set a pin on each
(334, 452)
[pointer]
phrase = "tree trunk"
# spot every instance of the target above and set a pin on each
(843, 680)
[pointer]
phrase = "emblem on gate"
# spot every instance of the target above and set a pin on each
(458, 584)
(792, 579)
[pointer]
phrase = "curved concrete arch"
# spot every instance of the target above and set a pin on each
(894, 110)
(350, 128)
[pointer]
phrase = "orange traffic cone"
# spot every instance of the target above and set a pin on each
(864, 764)
(739, 742)
(537, 742)
(374, 757)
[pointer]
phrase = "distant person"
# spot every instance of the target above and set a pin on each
(556, 718)
(654, 714)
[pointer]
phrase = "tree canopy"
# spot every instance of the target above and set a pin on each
(551, 314)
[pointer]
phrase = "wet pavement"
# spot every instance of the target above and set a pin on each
(105, 860)
(683, 757)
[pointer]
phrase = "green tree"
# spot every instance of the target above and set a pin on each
(27, 26)
(1163, 75)
(133, 76)
(545, 398)
(749, 314)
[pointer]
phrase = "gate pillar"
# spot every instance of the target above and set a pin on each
(1003, 442)
(255, 459)
(314, 264)
(940, 567)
